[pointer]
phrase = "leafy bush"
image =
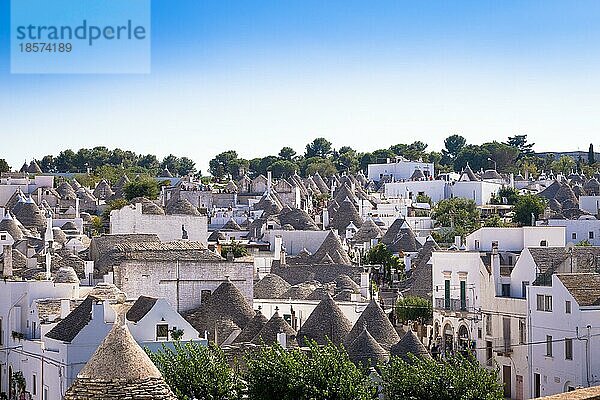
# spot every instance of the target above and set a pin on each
(457, 377)
(324, 373)
(145, 187)
(193, 371)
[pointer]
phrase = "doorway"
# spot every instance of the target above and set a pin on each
(506, 379)
(519, 387)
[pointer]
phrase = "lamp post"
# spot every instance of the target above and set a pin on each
(495, 164)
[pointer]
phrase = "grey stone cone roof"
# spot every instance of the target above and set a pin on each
(123, 180)
(320, 183)
(331, 247)
(75, 184)
(271, 286)
(268, 333)
(468, 174)
(592, 187)
(298, 292)
(224, 327)
(367, 232)
(216, 236)
(34, 168)
(103, 191)
(66, 275)
(550, 191)
(67, 329)
(231, 225)
(343, 281)
(400, 238)
(377, 323)
(326, 321)
(252, 328)
(31, 216)
(106, 291)
(344, 192)
(269, 205)
(9, 225)
(58, 235)
(119, 369)
(409, 344)
(225, 302)
(182, 207)
(298, 218)
(320, 293)
(346, 214)
(14, 199)
(366, 351)
(491, 174)
(148, 206)
(231, 187)
(69, 226)
(566, 197)
(578, 190)
(417, 175)
(165, 173)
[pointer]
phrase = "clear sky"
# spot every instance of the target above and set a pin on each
(255, 76)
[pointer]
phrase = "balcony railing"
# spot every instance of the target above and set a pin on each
(502, 345)
(451, 304)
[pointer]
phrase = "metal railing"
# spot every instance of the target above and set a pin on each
(451, 304)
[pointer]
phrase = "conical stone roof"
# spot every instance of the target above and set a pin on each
(9, 225)
(271, 286)
(378, 324)
(344, 216)
(332, 248)
(119, 369)
(31, 216)
(252, 329)
(299, 219)
(367, 232)
(268, 333)
(409, 344)
(326, 322)
(66, 191)
(400, 238)
(366, 351)
(227, 301)
(181, 207)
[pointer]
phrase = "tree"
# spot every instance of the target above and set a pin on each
(380, 255)
(236, 248)
(171, 163)
(347, 161)
(414, 309)
(149, 161)
(504, 156)
(193, 371)
(323, 166)
(47, 164)
(283, 168)
(287, 153)
(564, 164)
(452, 146)
(320, 147)
(221, 164)
(476, 156)
(143, 187)
(527, 209)
(520, 142)
(458, 213)
(275, 373)
(4, 167)
(506, 195)
(591, 155)
(494, 221)
(455, 377)
(186, 167)
(115, 204)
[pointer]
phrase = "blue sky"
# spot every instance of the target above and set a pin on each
(255, 76)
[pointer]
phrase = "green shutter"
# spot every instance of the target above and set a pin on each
(447, 294)
(463, 295)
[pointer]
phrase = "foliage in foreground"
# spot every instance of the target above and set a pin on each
(324, 373)
(193, 371)
(457, 378)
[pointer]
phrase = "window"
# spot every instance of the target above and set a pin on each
(447, 294)
(463, 295)
(524, 285)
(522, 332)
(567, 307)
(548, 301)
(2, 237)
(548, 346)
(544, 243)
(574, 235)
(568, 349)
(478, 333)
(506, 290)
(494, 244)
(488, 324)
(477, 245)
(1, 333)
(162, 332)
(540, 302)
(590, 235)
(488, 353)
(34, 385)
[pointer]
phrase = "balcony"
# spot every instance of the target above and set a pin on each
(451, 304)
(502, 346)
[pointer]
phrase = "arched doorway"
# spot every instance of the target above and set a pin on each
(448, 339)
(463, 338)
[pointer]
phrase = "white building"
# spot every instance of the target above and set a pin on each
(590, 204)
(586, 228)
(480, 192)
(478, 299)
(399, 169)
(565, 333)
(169, 227)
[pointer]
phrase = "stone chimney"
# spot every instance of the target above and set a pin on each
(282, 339)
(8, 261)
(269, 181)
(277, 247)
(325, 218)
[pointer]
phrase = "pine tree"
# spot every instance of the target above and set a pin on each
(591, 155)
